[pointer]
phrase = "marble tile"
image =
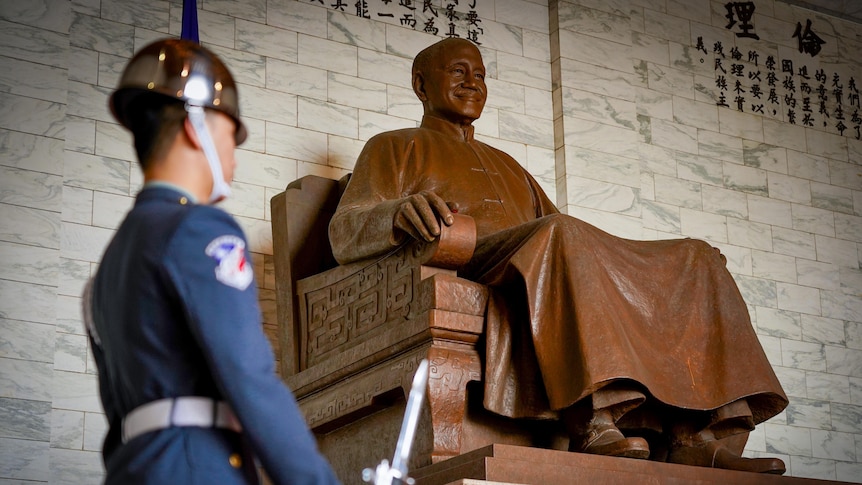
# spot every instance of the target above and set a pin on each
(68, 314)
(89, 101)
(266, 40)
(70, 352)
(103, 35)
(114, 141)
(67, 429)
(371, 123)
(699, 169)
(526, 129)
(32, 116)
(837, 304)
(27, 302)
(76, 391)
(601, 24)
(34, 44)
(798, 298)
(752, 181)
(23, 419)
(537, 45)
(674, 191)
(298, 17)
(29, 226)
(853, 331)
(694, 113)
(823, 330)
(247, 68)
(844, 361)
(814, 220)
(837, 251)
(702, 225)
(385, 68)
(264, 170)
(847, 417)
(856, 392)
(803, 355)
(611, 111)
(787, 439)
(33, 80)
(648, 49)
(809, 413)
(743, 125)
(688, 58)
(31, 189)
(766, 264)
(720, 146)
(259, 234)
(818, 275)
(352, 30)
(793, 381)
(757, 291)
(403, 103)
(356, 92)
(674, 135)
(44, 14)
(848, 472)
(77, 205)
(95, 429)
(653, 104)
(269, 105)
(830, 197)
(28, 264)
(524, 71)
(80, 137)
(149, 15)
(738, 259)
(828, 387)
(602, 166)
(30, 152)
(23, 379)
(343, 152)
(327, 117)
(326, 54)
(246, 200)
(24, 459)
(764, 156)
(296, 143)
(527, 15)
(76, 466)
(602, 196)
(848, 227)
(850, 278)
(27, 340)
(601, 137)
(591, 50)
(247, 9)
(97, 173)
(827, 145)
(793, 243)
(617, 224)
(725, 202)
(778, 323)
(785, 135)
(83, 242)
(294, 79)
(845, 174)
(680, 84)
(815, 468)
(791, 189)
(504, 37)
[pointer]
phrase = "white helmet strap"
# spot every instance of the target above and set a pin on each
(221, 190)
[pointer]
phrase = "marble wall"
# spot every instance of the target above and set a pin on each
(606, 102)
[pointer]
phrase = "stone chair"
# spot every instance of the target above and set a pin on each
(352, 336)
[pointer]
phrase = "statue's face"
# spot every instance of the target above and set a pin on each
(455, 84)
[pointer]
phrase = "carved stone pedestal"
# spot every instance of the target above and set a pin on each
(506, 464)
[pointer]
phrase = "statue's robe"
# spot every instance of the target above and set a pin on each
(573, 308)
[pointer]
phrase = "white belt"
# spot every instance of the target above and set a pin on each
(179, 411)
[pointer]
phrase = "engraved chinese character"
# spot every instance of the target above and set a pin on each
(745, 11)
(809, 42)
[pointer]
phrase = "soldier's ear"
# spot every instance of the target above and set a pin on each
(419, 86)
(191, 134)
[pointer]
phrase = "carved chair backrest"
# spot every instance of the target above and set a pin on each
(300, 239)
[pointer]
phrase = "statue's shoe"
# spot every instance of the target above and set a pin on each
(713, 455)
(608, 440)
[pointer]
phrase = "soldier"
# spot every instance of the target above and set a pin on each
(186, 375)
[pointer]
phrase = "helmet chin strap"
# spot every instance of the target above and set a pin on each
(221, 190)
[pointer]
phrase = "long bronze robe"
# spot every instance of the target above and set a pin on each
(573, 308)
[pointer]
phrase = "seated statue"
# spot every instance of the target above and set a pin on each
(633, 345)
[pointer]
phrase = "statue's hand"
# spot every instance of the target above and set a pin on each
(419, 215)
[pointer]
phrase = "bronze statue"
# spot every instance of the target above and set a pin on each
(642, 348)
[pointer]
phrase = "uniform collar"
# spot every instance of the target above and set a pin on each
(447, 128)
(157, 189)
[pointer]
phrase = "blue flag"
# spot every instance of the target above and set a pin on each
(190, 21)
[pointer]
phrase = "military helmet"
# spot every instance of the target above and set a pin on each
(182, 70)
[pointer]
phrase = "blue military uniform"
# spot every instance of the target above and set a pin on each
(175, 313)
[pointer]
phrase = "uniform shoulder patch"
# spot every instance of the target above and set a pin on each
(233, 269)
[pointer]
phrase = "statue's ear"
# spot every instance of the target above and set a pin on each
(419, 86)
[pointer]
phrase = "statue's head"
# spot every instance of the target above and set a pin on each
(449, 79)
